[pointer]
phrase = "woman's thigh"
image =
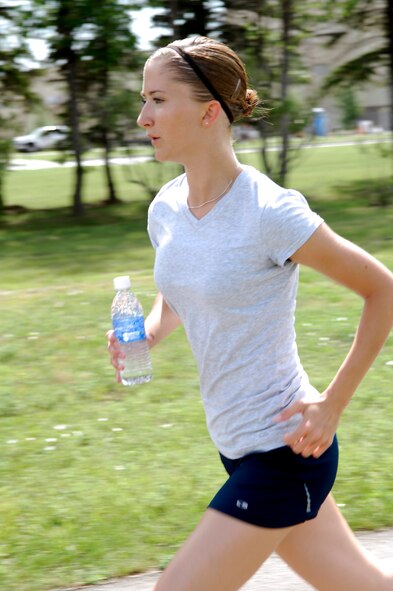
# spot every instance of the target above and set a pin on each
(220, 555)
(325, 552)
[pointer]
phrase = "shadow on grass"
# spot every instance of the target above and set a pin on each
(372, 192)
(55, 240)
(357, 212)
(96, 214)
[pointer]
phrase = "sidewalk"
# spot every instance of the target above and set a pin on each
(275, 574)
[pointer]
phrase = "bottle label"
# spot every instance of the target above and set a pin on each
(129, 330)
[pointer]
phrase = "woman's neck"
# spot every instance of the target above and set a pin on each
(208, 182)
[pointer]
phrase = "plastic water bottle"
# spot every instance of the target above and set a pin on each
(129, 326)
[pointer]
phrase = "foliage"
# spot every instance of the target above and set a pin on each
(5, 157)
(184, 18)
(15, 80)
(91, 45)
(356, 71)
(109, 52)
(349, 107)
(372, 17)
(64, 24)
(268, 35)
(377, 55)
(94, 52)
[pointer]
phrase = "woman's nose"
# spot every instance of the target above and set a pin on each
(144, 120)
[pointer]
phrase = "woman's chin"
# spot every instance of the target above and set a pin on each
(161, 157)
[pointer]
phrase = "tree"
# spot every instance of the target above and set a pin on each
(349, 107)
(389, 37)
(375, 59)
(110, 50)
(268, 35)
(15, 78)
(88, 42)
(373, 17)
(184, 18)
(65, 25)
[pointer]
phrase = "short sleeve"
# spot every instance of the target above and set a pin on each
(151, 236)
(151, 227)
(163, 203)
(287, 223)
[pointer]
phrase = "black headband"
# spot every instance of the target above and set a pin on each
(203, 79)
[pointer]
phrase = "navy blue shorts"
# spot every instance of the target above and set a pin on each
(277, 488)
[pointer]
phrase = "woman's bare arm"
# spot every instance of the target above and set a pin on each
(161, 321)
(357, 270)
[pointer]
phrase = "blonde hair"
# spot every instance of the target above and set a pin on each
(222, 67)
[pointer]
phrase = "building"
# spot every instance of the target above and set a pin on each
(321, 58)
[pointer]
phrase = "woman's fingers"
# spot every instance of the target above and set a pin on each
(297, 407)
(115, 353)
(315, 433)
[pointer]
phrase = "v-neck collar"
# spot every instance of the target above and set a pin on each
(214, 211)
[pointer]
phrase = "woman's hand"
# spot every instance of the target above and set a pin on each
(355, 269)
(115, 353)
(317, 429)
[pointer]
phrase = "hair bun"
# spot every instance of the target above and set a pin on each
(251, 101)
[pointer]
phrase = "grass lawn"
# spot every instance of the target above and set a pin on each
(98, 480)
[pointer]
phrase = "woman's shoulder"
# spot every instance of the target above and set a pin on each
(168, 188)
(261, 182)
(270, 194)
(263, 190)
(168, 197)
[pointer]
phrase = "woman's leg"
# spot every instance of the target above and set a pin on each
(220, 555)
(326, 553)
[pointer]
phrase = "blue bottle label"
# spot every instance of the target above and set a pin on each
(129, 330)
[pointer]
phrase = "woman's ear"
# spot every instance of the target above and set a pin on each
(211, 113)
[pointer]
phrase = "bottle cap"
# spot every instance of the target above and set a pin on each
(122, 282)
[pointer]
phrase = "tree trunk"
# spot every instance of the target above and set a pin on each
(2, 205)
(287, 18)
(77, 204)
(173, 7)
(3, 169)
(389, 35)
(263, 126)
(5, 158)
(112, 197)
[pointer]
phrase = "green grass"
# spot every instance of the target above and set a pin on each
(328, 173)
(52, 188)
(83, 498)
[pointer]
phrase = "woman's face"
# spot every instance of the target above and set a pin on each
(171, 117)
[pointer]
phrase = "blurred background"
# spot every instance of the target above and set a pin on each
(98, 480)
(71, 74)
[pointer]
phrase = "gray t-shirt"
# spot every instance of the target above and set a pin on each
(228, 278)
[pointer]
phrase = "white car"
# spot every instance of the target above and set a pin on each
(42, 138)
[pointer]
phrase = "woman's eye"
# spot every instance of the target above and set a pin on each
(156, 100)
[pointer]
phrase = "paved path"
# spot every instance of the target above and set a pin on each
(275, 575)
(35, 164)
(20, 163)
